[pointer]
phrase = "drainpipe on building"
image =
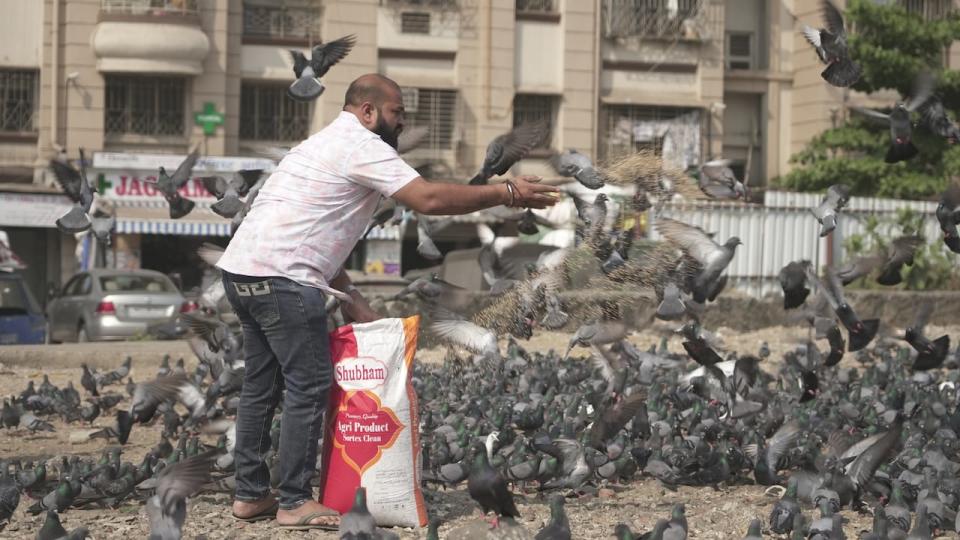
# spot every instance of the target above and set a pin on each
(598, 58)
(55, 76)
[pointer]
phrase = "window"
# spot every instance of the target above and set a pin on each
(144, 105)
(631, 128)
(435, 109)
(414, 22)
(78, 286)
(135, 284)
(282, 19)
(536, 108)
(18, 101)
(739, 50)
(148, 7)
(267, 114)
(648, 18)
(545, 6)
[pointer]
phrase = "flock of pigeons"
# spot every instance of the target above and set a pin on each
(883, 438)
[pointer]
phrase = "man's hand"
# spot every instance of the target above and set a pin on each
(359, 310)
(532, 194)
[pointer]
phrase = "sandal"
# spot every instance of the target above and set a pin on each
(304, 524)
(269, 512)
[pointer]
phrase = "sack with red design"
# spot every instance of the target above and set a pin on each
(371, 436)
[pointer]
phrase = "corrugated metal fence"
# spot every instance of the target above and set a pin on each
(782, 229)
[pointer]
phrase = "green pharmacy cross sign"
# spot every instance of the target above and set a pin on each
(209, 118)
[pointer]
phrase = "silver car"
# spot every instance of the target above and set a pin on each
(104, 304)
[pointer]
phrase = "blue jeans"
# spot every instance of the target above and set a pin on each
(286, 346)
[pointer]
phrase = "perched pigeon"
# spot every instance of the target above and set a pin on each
(308, 87)
(831, 46)
(489, 489)
(716, 180)
(836, 198)
(574, 164)
(559, 526)
(901, 127)
(359, 524)
(75, 185)
(169, 186)
(507, 149)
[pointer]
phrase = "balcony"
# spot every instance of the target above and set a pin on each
(168, 37)
(931, 10)
(538, 10)
(687, 20)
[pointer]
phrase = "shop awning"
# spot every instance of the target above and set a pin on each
(156, 220)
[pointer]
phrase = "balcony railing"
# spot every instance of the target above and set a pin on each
(431, 4)
(282, 20)
(659, 19)
(149, 7)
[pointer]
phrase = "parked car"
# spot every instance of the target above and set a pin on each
(21, 319)
(102, 304)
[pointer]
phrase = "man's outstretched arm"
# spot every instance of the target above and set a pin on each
(441, 198)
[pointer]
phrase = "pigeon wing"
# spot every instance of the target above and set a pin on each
(326, 55)
(68, 177)
(183, 479)
(875, 116)
(921, 91)
(693, 240)
(903, 249)
(812, 35)
(781, 441)
(245, 179)
(215, 185)
(466, 334)
(411, 138)
(517, 143)
(210, 253)
(832, 18)
(183, 172)
(862, 468)
(838, 195)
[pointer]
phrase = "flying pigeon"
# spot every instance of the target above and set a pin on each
(947, 216)
(574, 164)
(836, 198)
(936, 119)
(229, 192)
(716, 180)
(167, 509)
(793, 281)
(712, 257)
(901, 128)
(831, 46)
(75, 185)
(170, 185)
(861, 332)
(507, 149)
(308, 87)
(930, 354)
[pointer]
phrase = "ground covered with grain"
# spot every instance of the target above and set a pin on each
(712, 514)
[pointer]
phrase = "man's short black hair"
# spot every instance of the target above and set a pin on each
(371, 88)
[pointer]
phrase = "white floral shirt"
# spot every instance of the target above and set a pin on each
(314, 208)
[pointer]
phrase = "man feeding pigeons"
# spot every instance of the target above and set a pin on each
(288, 254)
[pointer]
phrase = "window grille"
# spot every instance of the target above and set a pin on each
(144, 105)
(267, 114)
(435, 109)
(632, 128)
(536, 108)
(18, 100)
(282, 19)
(414, 22)
(541, 6)
(149, 7)
(648, 18)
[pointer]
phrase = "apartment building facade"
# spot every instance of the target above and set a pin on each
(137, 83)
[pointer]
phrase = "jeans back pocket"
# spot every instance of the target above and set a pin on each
(260, 299)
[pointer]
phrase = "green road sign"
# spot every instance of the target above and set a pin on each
(209, 118)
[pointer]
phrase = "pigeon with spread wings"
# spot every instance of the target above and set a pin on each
(831, 46)
(509, 148)
(901, 127)
(229, 192)
(308, 87)
(170, 186)
(695, 242)
(75, 185)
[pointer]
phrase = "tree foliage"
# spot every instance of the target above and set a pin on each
(892, 46)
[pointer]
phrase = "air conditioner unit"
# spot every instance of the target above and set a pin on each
(739, 51)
